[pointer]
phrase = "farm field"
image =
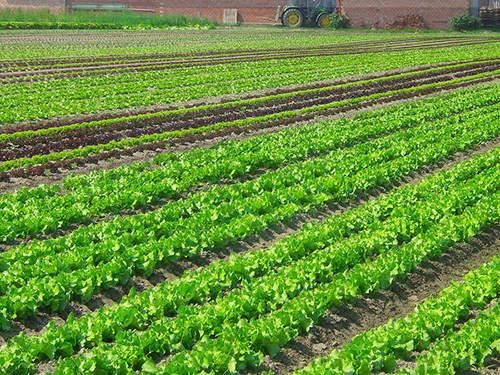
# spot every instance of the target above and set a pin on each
(252, 201)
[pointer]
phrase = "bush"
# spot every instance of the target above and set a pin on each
(465, 22)
(339, 21)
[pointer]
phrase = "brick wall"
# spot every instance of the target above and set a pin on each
(436, 13)
(249, 11)
(363, 13)
(245, 15)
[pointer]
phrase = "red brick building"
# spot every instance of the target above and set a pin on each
(436, 14)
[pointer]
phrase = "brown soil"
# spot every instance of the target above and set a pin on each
(326, 334)
(340, 325)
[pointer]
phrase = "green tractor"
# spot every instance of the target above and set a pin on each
(299, 12)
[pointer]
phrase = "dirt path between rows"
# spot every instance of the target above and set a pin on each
(293, 356)
(340, 325)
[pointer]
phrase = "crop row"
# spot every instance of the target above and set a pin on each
(77, 265)
(297, 315)
(242, 307)
(203, 110)
(104, 134)
(281, 93)
(130, 83)
(58, 47)
(378, 349)
(47, 63)
(230, 111)
(86, 94)
(192, 136)
(107, 254)
(132, 187)
(398, 212)
(69, 162)
(49, 45)
(470, 347)
(35, 154)
(61, 73)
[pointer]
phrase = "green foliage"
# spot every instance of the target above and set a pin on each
(112, 91)
(43, 19)
(277, 297)
(199, 165)
(16, 25)
(465, 22)
(339, 21)
(259, 300)
(402, 228)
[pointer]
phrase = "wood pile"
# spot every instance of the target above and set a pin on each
(490, 16)
(408, 21)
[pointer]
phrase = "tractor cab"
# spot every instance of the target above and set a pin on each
(299, 12)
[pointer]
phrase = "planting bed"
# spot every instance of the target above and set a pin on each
(198, 208)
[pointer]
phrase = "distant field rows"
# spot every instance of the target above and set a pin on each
(30, 70)
(53, 145)
(108, 91)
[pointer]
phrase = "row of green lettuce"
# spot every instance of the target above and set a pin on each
(50, 273)
(47, 99)
(98, 44)
(33, 70)
(44, 209)
(435, 328)
(89, 150)
(283, 289)
(35, 67)
(232, 104)
(266, 313)
(477, 342)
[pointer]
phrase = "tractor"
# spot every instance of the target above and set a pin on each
(299, 12)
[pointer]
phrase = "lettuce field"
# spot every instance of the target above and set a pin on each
(249, 201)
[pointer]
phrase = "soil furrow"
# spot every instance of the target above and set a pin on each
(35, 324)
(340, 325)
(210, 62)
(33, 63)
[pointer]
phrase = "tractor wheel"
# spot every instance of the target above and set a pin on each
(293, 18)
(323, 21)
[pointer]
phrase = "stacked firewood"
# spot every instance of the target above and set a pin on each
(490, 16)
(408, 21)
